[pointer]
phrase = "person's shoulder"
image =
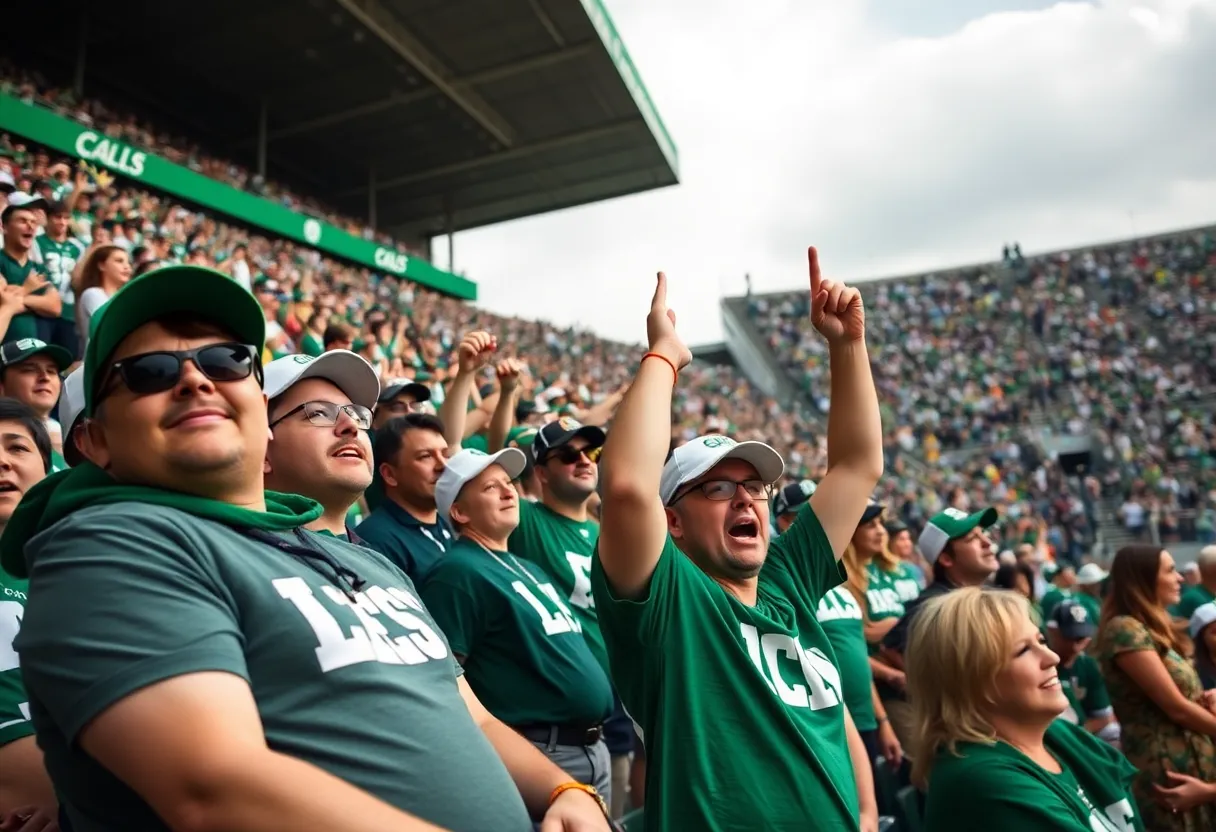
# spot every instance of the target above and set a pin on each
(376, 523)
(971, 763)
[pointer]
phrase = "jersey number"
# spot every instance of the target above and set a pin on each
(10, 624)
(369, 640)
(580, 566)
(774, 651)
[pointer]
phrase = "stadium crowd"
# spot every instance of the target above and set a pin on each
(429, 557)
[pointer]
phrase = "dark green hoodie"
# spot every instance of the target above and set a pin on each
(86, 485)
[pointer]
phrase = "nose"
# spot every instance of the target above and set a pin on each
(192, 381)
(741, 499)
(345, 425)
(1050, 658)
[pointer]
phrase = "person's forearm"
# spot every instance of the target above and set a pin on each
(602, 412)
(1195, 717)
(637, 445)
(48, 305)
(854, 422)
(6, 318)
(23, 777)
(269, 792)
(535, 775)
(876, 630)
(502, 420)
(882, 672)
(867, 803)
(454, 410)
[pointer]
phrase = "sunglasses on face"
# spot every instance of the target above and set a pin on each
(156, 372)
(326, 414)
(722, 490)
(567, 455)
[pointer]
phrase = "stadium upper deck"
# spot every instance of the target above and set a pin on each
(425, 118)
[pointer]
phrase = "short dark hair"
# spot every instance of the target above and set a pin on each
(336, 332)
(12, 410)
(58, 209)
(387, 442)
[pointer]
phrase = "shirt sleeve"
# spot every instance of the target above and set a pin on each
(460, 614)
(806, 555)
(991, 790)
(642, 620)
(1126, 635)
(117, 604)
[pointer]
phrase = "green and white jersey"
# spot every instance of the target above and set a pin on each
(14, 705)
(524, 652)
(60, 259)
(741, 707)
(840, 616)
(563, 549)
(883, 599)
(996, 788)
(1085, 688)
(361, 684)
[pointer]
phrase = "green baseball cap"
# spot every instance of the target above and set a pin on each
(951, 524)
(14, 352)
(200, 292)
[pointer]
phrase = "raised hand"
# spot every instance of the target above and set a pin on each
(475, 351)
(508, 372)
(661, 328)
(836, 310)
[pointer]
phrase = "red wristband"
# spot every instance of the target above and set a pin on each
(675, 372)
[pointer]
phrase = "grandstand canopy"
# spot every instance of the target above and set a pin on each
(454, 113)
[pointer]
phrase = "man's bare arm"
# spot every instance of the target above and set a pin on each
(202, 763)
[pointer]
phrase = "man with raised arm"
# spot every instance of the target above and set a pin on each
(711, 631)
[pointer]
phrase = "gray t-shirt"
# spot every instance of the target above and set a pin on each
(364, 686)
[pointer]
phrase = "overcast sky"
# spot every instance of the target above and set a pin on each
(896, 136)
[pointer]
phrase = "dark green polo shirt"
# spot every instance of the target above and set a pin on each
(415, 547)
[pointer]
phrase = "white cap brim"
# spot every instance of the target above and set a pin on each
(468, 465)
(348, 371)
(768, 464)
(71, 406)
(1204, 615)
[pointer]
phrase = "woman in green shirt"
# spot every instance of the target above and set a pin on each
(990, 749)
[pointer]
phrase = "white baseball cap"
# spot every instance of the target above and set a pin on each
(691, 460)
(467, 465)
(71, 406)
(350, 372)
(1204, 615)
(1091, 573)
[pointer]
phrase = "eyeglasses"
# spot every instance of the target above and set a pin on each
(722, 490)
(400, 406)
(326, 414)
(156, 372)
(568, 455)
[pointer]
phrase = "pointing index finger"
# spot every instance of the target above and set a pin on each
(812, 257)
(660, 292)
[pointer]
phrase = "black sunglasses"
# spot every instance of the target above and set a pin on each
(156, 372)
(326, 414)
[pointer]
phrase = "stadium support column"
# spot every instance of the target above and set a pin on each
(449, 228)
(263, 121)
(82, 52)
(371, 197)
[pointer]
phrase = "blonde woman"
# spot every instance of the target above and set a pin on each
(989, 747)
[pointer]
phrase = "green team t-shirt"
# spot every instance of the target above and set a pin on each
(14, 704)
(741, 708)
(840, 616)
(903, 578)
(58, 463)
(1085, 688)
(882, 597)
(24, 325)
(524, 652)
(1052, 598)
(563, 548)
(60, 258)
(1192, 599)
(311, 345)
(997, 788)
(359, 683)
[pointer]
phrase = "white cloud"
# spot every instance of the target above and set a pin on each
(811, 123)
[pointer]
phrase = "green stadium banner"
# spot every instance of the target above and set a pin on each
(611, 39)
(47, 128)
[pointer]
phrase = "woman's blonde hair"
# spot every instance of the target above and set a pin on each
(858, 576)
(958, 645)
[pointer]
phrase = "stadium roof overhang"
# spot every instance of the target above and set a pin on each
(447, 115)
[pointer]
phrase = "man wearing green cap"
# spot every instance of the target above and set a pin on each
(29, 373)
(275, 679)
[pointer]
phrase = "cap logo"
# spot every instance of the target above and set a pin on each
(302, 359)
(30, 344)
(955, 514)
(1078, 614)
(717, 442)
(476, 452)
(807, 487)
(568, 424)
